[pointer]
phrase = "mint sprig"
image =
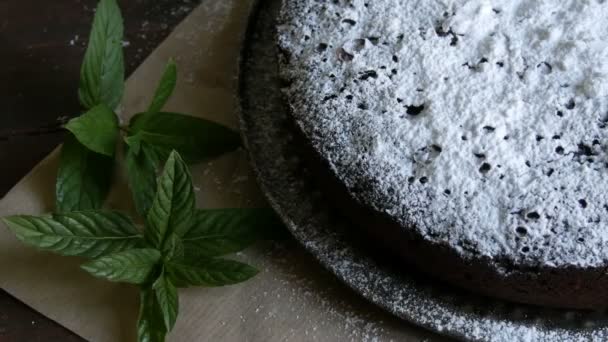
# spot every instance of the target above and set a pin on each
(153, 133)
(176, 245)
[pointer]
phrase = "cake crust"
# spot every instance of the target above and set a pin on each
(467, 136)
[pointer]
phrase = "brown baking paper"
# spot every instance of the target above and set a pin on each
(292, 299)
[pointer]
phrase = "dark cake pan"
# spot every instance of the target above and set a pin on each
(293, 191)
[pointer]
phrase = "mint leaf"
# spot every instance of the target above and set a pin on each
(209, 272)
(83, 179)
(194, 138)
(134, 266)
(174, 203)
(86, 234)
(174, 247)
(96, 129)
(168, 301)
(165, 88)
(225, 231)
(141, 174)
(134, 143)
(150, 326)
(103, 72)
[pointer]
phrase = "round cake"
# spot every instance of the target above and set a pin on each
(466, 136)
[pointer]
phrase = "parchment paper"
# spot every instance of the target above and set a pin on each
(292, 299)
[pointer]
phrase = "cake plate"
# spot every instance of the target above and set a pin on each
(292, 192)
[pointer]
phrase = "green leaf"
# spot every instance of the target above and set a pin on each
(87, 233)
(194, 138)
(96, 129)
(83, 179)
(225, 231)
(209, 272)
(103, 71)
(134, 143)
(167, 298)
(150, 327)
(165, 88)
(174, 247)
(141, 174)
(133, 266)
(174, 204)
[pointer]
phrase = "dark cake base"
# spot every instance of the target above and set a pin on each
(574, 288)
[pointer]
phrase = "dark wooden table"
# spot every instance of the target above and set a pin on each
(42, 47)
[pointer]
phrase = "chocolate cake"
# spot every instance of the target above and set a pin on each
(466, 137)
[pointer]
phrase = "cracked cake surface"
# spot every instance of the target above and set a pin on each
(480, 124)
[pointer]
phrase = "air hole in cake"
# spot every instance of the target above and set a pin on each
(560, 113)
(533, 215)
(447, 191)
(525, 249)
(374, 40)
(583, 203)
(550, 172)
(414, 110)
(585, 150)
(559, 150)
(480, 155)
(363, 106)
(521, 231)
(329, 97)
(395, 59)
(349, 22)
(424, 180)
(545, 68)
(500, 64)
(411, 180)
(489, 129)
(468, 65)
(485, 168)
(539, 137)
(571, 104)
(344, 56)
(368, 74)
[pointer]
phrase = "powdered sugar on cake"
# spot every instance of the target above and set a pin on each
(482, 123)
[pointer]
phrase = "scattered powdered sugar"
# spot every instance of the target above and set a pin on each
(281, 175)
(483, 123)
